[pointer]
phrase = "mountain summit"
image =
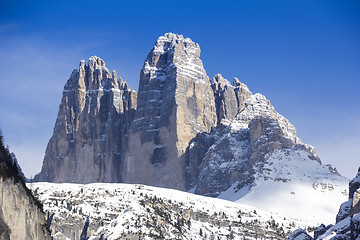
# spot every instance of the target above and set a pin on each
(186, 132)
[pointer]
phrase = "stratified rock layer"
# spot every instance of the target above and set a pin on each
(175, 103)
(90, 131)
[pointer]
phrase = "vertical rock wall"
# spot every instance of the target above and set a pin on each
(90, 131)
(175, 103)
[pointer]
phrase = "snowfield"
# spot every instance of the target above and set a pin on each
(116, 211)
(294, 187)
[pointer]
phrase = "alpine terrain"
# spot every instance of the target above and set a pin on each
(185, 131)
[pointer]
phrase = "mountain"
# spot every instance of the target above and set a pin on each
(175, 103)
(134, 211)
(21, 215)
(347, 220)
(259, 160)
(90, 132)
(187, 132)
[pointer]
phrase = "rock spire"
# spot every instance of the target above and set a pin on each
(175, 103)
(90, 131)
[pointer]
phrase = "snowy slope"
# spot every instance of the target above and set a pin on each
(258, 160)
(295, 187)
(116, 211)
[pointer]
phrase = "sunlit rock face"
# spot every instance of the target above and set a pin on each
(90, 131)
(175, 103)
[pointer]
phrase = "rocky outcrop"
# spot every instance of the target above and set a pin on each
(175, 103)
(257, 131)
(90, 131)
(228, 98)
(21, 215)
(299, 234)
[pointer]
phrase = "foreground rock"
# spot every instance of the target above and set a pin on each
(21, 215)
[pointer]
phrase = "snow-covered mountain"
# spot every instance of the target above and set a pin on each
(132, 211)
(187, 132)
(258, 160)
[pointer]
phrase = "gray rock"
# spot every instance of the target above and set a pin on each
(344, 211)
(21, 214)
(244, 146)
(354, 184)
(175, 103)
(299, 234)
(321, 230)
(90, 131)
(228, 98)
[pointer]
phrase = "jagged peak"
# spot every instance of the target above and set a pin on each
(97, 75)
(95, 61)
(220, 80)
(169, 41)
(259, 105)
(238, 84)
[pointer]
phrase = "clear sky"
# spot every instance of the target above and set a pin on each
(302, 55)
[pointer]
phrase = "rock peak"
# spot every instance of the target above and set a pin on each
(96, 61)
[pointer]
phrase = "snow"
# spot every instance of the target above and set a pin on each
(331, 232)
(294, 186)
(119, 205)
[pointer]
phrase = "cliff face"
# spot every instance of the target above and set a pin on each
(257, 131)
(90, 131)
(175, 103)
(21, 216)
(228, 98)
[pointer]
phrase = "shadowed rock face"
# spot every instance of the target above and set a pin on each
(175, 103)
(89, 134)
(228, 98)
(21, 215)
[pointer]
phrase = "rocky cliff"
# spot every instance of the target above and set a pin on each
(21, 215)
(175, 103)
(90, 132)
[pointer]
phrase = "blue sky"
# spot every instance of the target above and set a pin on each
(302, 55)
